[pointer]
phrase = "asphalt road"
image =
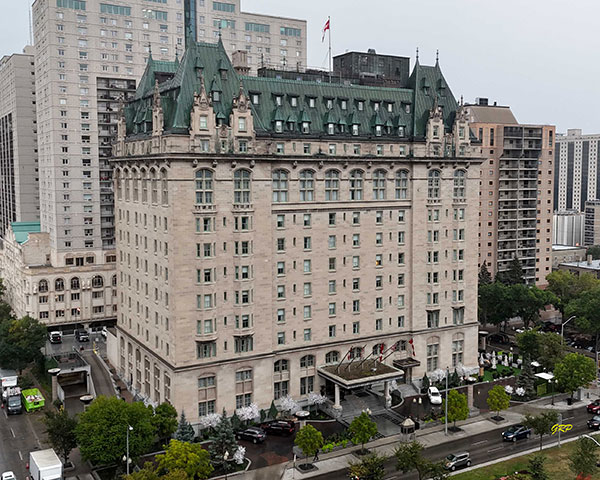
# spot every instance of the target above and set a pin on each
(483, 447)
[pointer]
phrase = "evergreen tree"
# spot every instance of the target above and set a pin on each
(273, 412)
(425, 383)
(184, 432)
(514, 274)
(526, 379)
(537, 468)
(583, 458)
(485, 278)
(223, 440)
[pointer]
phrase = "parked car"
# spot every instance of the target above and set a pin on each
(434, 396)
(279, 427)
(82, 335)
(252, 434)
(55, 337)
(457, 460)
(516, 432)
(551, 327)
(594, 422)
(104, 332)
(498, 338)
(8, 476)
(594, 407)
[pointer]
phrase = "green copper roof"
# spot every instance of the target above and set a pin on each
(407, 107)
(23, 229)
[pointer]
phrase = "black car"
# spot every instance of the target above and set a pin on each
(252, 434)
(82, 336)
(516, 432)
(594, 422)
(279, 427)
(498, 338)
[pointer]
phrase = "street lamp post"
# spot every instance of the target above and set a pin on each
(225, 457)
(446, 403)
(562, 329)
(129, 429)
(592, 439)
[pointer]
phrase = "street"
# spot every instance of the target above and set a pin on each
(482, 448)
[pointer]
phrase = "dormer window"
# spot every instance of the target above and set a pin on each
(216, 96)
(378, 130)
(329, 104)
(436, 131)
(390, 107)
(203, 122)
(354, 129)
(462, 150)
(342, 128)
(361, 105)
(388, 129)
(254, 98)
(292, 126)
(223, 74)
(294, 102)
(330, 128)
(278, 126)
(305, 127)
(242, 124)
(376, 106)
(407, 108)
(278, 100)
(461, 133)
(311, 102)
(344, 105)
(401, 131)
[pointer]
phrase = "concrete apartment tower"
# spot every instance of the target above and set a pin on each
(516, 197)
(89, 55)
(19, 197)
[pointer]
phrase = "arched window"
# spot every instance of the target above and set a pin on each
(378, 350)
(164, 187)
(458, 347)
(307, 186)
(433, 184)
(332, 185)
(126, 179)
(97, 281)
(356, 185)
(144, 175)
(332, 357)
(459, 184)
(75, 285)
(136, 183)
(154, 186)
(241, 186)
(204, 187)
(280, 366)
(379, 184)
(307, 361)
(401, 185)
(433, 349)
(355, 352)
(280, 186)
(59, 285)
(43, 286)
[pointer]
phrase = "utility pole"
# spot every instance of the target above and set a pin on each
(446, 405)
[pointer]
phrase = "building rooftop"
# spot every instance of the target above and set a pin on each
(492, 114)
(23, 229)
(558, 248)
(584, 264)
(359, 373)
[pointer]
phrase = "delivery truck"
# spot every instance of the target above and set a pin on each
(45, 465)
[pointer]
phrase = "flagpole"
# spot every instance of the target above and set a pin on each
(330, 64)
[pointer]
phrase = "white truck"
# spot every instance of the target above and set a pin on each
(45, 465)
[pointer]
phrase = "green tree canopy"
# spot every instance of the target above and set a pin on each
(544, 347)
(60, 428)
(362, 429)
(309, 440)
(537, 467)
(165, 421)
(185, 432)
(587, 309)
(457, 407)
(188, 457)
(485, 278)
(527, 302)
(409, 457)
(102, 429)
(494, 307)
(574, 371)
(594, 252)
(567, 286)
(514, 275)
(372, 467)
(541, 424)
(498, 399)
(584, 457)
(526, 379)
(21, 341)
(222, 440)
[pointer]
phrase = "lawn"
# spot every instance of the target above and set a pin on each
(487, 375)
(557, 466)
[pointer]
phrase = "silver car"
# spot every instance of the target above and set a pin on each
(457, 460)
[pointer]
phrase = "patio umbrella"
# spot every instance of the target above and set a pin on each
(494, 362)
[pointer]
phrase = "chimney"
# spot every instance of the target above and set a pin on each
(589, 259)
(239, 59)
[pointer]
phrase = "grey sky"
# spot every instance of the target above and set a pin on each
(538, 56)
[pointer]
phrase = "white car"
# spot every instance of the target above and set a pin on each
(434, 396)
(8, 476)
(104, 332)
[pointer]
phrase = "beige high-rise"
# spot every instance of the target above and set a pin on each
(516, 197)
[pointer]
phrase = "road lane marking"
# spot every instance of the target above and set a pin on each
(13, 433)
(495, 449)
(479, 443)
(20, 455)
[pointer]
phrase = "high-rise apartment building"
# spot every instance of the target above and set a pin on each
(89, 55)
(576, 174)
(592, 223)
(516, 197)
(19, 197)
(284, 237)
(568, 228)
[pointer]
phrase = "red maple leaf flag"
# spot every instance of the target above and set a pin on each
(325, 28)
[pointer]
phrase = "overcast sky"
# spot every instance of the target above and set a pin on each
(538, 56)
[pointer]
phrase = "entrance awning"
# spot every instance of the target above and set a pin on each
(359, 373)
(406, 363)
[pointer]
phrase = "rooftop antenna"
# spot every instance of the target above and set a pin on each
(417, 54)
(437, 56)
(262, 60)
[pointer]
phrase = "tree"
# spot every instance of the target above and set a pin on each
(485, 278)
(409, 457)
(273, 412)
(223, 440)
(526, 379)
(529, 343)
(21, 341)
(498, 399)
(594, 252)
(309, 440)
(148, 472)
(567, 286)
(494, 307)
(165, 421)
(362, 429)
(587, 309)
(425, 383)
(544, 347)
(541, 424)
(184, 432)
(60, 428)
(188, 457)
(102, 430)
(457, 407)
(371, 467)
(527, 301)
(574, 371)
(583, 459)
(537, 468)
(514, 274)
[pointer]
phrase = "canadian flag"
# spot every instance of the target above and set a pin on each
(325, 28)
(413, 346)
